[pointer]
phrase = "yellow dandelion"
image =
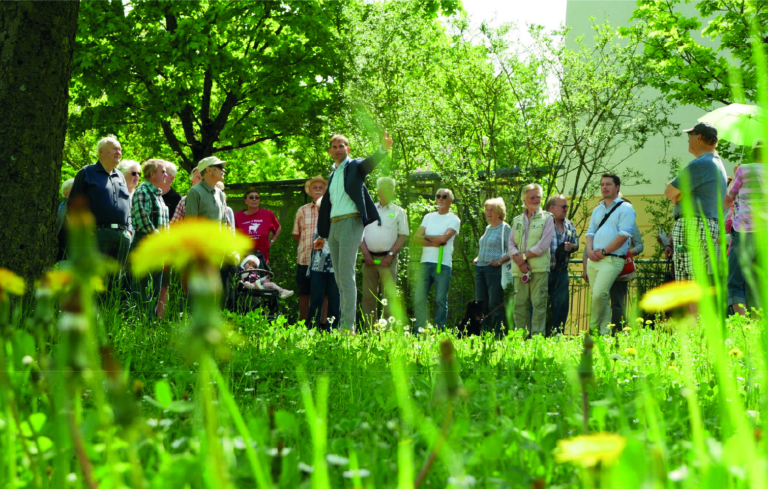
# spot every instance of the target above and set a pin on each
(611, 325)
(57, 280)
(747, 327)
(649, 322)
(627, 329)
(11, 283)
(630, 352)
(735, 353)
(189, 241)
(671, 295)
(590, 450)
(639, 320)
(674, 368)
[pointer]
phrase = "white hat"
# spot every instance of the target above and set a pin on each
(209, 161)
(250, 258)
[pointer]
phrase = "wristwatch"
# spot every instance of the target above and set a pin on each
(391, 254)
(603, 251)
(525, 257)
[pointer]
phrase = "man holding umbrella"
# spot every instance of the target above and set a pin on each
(704, 180)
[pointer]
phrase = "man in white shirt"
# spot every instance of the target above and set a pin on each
(436, 235)
(382, 241)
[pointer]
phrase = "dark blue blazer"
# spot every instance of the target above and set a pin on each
(354, 184)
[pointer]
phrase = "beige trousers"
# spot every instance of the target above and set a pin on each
(379, 282)
(534, 292)
(601, 275)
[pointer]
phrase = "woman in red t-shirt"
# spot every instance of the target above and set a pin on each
(258, 223)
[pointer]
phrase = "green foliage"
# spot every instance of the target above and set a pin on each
(205, 77)
(697, 61)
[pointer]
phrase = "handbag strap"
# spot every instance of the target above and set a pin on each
(605, 218)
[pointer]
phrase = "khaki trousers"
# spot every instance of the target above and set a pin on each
(601, 275)
(378, 282)
(534, 292)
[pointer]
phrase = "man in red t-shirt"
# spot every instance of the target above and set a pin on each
(258, 223)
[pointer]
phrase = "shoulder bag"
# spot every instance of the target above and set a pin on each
(629, 262)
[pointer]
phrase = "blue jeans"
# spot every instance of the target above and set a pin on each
(427, 276)
(742, 287)
(323, 284)
(488, 288)
(558, 301)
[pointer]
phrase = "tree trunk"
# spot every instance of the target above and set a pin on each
(36, 46)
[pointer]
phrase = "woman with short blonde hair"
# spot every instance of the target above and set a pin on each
(491, 258)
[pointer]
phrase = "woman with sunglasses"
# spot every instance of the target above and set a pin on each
(131, 170)
(258, 223)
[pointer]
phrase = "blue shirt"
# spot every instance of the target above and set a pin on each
(106, 193)
(706, 183)
(621, 222)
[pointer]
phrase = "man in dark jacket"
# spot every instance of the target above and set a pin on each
(345, 211)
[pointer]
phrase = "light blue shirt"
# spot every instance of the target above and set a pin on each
(341, 203)
(621, 222)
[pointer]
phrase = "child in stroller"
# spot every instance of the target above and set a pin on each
(253, 276)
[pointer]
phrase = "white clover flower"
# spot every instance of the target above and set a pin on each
(27, 360)
(384, 302)
(71, 477)
(421, 330)
(331, 319)
(392, 424)
(336, 459)
(356, 473)
(462, 481)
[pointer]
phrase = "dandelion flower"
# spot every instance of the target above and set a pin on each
(381, 323)
(589, 450)
(630, 352)
(670, 296)
(735, 353)
(186, 242)
(391, 319)
(649, 322)
(384, 302)
(11, 283)
(627, 329)
(639, 320)
(611, 325)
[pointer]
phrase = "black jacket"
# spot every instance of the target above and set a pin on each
(354, 184)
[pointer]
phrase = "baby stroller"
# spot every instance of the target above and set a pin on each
(250, 299)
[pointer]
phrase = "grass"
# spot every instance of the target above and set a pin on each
(297, 408)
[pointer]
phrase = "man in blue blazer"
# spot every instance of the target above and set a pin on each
(345, 211)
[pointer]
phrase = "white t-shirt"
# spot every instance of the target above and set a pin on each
(435, 224)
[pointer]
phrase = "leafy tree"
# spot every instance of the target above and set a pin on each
(206, 77)
(37, 45)
(690, 60)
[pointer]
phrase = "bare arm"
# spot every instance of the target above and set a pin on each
(296, 237)
(672, 193)
(277, 233)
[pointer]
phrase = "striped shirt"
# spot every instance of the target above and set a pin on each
(305, 226)
(749, 186)
(494, 244)
(568, 234)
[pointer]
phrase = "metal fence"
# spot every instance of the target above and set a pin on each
(649, 274)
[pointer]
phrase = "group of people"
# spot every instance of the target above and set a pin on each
(531, 254)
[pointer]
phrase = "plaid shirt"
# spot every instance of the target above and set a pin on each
(305, 226)
(181, 210)
(148, 211)
(569, 234)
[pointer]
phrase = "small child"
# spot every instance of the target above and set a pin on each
(251, 279)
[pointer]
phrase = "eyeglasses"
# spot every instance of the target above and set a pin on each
(254, 197)
(441, 196)
(135, 173)
(565, 207)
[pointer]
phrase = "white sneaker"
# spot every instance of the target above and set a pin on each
(285, 294)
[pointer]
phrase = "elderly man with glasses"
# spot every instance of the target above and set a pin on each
(205, 200)
(436, 235)
(150, 215)
(529, 248)
(564, 243)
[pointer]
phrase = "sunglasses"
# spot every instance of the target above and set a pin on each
(441, 196)
(252, 197)
(135, 173)
(220, 167)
